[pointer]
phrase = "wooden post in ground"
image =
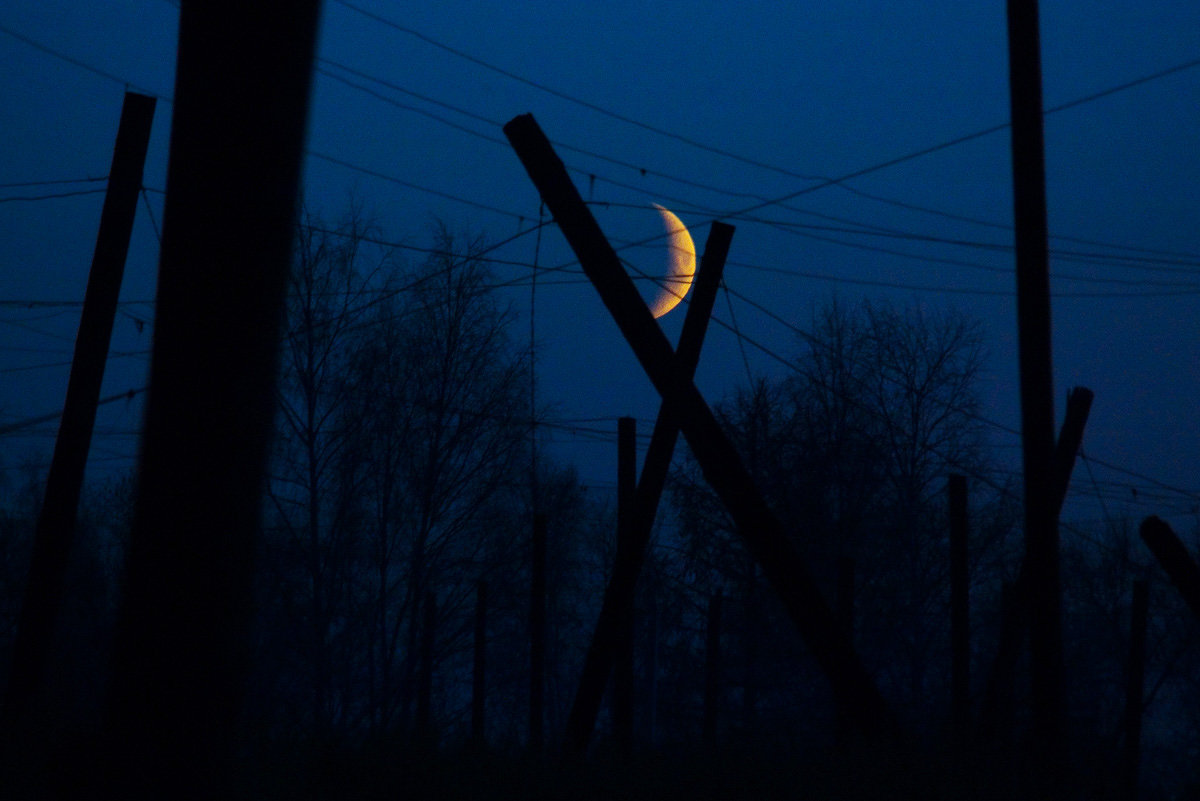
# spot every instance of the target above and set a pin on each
(1014, 623)
(1037, 394)
(619, 593)
(758, 528)
(1175, 560)
(56, 521)
(623, 668)
(844, 608)
(712, 672)
(960, 643)
(1135, 682)
(479, 671)
(425, 674)
(537, 637)
(182, 635)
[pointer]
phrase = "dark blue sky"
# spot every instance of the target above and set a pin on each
(775, 92)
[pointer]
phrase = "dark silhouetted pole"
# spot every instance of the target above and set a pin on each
(425, 677)
(619, 593)
(844, 608)
(758, 528)
(1175, 560)
(1013, 622)
(1037, 392)
(60, 505)
(1135, 682)
(712, 672)
(960, 643)
(537, 636)
(623, 672)
(479, 675)
(182, 636)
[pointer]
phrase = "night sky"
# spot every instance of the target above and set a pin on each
(708, 108)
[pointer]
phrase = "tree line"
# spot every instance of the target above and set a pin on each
(403, 479)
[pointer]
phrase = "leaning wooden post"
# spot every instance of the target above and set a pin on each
(537, 637)
(479, 672)
(960, 644)
(758, 528)
(712, 672)
(623, 674)
(1175, 560)
(1135, 682)
(181, 647)
(56, 521)
(619, 593)
(1014, 620)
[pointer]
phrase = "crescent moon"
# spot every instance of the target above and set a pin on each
(681, 264)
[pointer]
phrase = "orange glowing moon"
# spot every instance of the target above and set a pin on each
(681, 264)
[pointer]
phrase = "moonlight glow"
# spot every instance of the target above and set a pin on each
(681, 265)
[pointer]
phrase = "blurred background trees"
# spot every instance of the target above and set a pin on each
(402, 476)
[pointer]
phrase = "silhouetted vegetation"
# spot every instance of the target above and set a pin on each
(401, 472)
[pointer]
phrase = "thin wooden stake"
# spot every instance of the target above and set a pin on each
(623, 674)
(960, 643)
(425, 677)
(537, 637)
(712, 672)
(479, 673)
(1134, 687)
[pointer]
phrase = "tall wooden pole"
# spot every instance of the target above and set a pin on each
(537, 637)
(712, 672)
(479, 672)
(242, 82)
(960, 643)
(425, 676)
(1134, 686)
(758, 528)
(619, 592)
(56, 522)
(1037, 393)
(623, 668)
(1014, 618)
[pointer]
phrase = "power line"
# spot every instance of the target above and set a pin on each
(53, 196)
(81, 64)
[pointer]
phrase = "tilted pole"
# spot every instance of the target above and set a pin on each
(619, 592)
(762, 533)
(55, 530)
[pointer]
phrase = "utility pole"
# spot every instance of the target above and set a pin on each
(1014, 619)
(479, 672)
(1037, 393)
(1135, 678)
(181, 649)
(623, 673)
(960, 643)
(537, 637)
(712, 672)
(56, 522)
